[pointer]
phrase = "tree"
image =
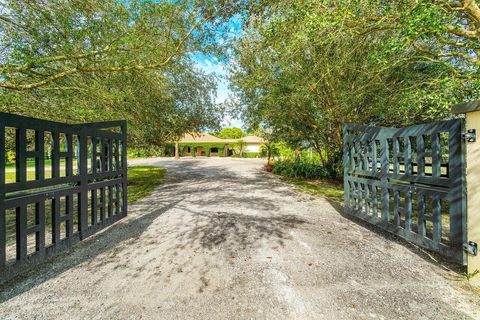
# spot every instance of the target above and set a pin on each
(270, 150)
(239, 147)
(80, 61)
(230, 133)
(443, 31)
(43, 42)
(303, 68)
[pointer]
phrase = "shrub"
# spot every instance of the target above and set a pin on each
(152, 151)
(301, 168)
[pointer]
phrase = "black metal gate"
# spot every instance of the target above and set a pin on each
(409, 181)
(59, 183)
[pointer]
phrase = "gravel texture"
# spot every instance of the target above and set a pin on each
(220, 239)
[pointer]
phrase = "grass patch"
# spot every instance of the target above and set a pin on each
(329, 189)
(142, 180)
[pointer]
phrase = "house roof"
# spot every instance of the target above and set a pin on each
(253, 139)
(208, 138)
(201, 137)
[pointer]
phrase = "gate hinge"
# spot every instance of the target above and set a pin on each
(471, 248)
(471, 135)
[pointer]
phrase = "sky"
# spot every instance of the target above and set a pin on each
(211, 65)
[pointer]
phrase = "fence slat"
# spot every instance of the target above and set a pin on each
(399, 182)
(37, 200)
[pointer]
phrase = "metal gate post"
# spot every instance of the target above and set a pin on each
(83, 196)
(472, 124)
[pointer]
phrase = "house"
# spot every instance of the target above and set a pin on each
(204, 144)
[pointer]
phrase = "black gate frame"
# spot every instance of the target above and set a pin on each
(372, 172)
(101, 190)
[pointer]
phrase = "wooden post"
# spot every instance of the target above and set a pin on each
(472, 122)
(177, 150)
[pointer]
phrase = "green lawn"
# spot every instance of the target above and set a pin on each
(31, 163)
(329, 189)
(142, 180)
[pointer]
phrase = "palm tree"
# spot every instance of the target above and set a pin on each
(270, 150)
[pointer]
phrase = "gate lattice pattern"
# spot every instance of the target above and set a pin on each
(409, 181)
(68, 182)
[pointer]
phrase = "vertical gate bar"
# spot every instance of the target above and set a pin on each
(69, 158)
(56, 220)
(117, 155)
(396, 166)
(360, 196)
(124, 168)
(105, 154)
(69, 213)
(375, 202)
(101, 155)
(408, 156)
(368, 199)
(408, 210)
(21, 232)
(3, 231)
(396, 208)
(437, 221)
(384, 179)
(436, 155)
(102, 206)
(41, 226)
(353, 165)
(457, 193)
(83, 195)
(94, 154)
(55, 154)
(365, 151)
(94, 206)
(110, 155)
(346, 165)
(420, 155)
(37, 223)
(110, 201)
(421, 214)
(20, 159)
(374, 157)
(117, 199)
(40, 160)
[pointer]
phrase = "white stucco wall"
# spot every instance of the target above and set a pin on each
(252, 148)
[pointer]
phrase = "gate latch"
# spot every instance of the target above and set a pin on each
(471, 248)
(471, 135)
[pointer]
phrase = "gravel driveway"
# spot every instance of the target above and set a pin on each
(220, 239)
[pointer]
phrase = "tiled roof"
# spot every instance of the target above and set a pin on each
(208, 138)
(201, 137)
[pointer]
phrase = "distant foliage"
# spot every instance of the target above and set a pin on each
(82, 61)
(151, 151)
(304, 68)
(230, 133)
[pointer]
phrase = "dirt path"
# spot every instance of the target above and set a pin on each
(222, 240)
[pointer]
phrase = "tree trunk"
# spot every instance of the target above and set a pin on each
(177, 151)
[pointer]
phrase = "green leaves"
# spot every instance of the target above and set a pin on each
(230, 133)
(92, 60)
(306, 67)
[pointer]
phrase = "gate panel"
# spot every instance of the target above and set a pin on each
(409, 181)
(47, 207)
